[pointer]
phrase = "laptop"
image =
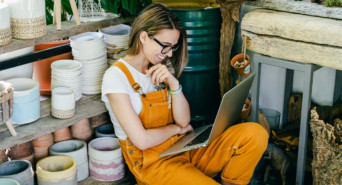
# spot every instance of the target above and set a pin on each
(228, 113)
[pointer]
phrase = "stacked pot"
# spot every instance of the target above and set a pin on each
(67, 73)
(22, 151)
(81, 130)
(116, 38)
(89, 49)
(41, 146)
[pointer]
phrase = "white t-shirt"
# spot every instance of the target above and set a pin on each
(115, 81)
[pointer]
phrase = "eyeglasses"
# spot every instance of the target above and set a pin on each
(166, 48)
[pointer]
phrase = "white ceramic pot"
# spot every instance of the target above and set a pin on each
(27, 18)
(24, 71)
(63, 102)
(5, 27)
(26, 100)
(105, 159)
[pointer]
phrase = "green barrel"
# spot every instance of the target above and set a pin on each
(201, 75)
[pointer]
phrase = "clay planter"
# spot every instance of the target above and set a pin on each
(62, 134)
(81, 130)
(43, 141)
(40, 152)
(3, 156)
(55, 170)
(105, 159)
(28, 158)
(77, 150)
(245, 112)
(244, 70)
(42, 68)
(106, 130)
(21, 150)
(19, 170)
(98, 120)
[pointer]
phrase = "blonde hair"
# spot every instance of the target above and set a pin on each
(152, 19)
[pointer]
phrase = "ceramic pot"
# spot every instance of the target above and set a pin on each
(81, 130)
(105, 159)
(63, 102)
(43, 141)
(20, 170)
(40, 152)
(244, 70)
(245, 111)
(26, 100)
(27, 18)
(3, 156)
(8, 181)
(42, 68)
(28, 158)
(106, 130)
(98, 120)
(62, 134)
(21, 150)
(5, 27)
(55, 170)
(75, 149)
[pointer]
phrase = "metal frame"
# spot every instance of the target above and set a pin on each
(290, 66)
(32, 57)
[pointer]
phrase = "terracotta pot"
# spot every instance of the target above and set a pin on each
(40, 152)
(42, 68)
(245, 70)
(246, 110)
(62, 134)
(28, 158)
(43, 141)
(21, 150)
(3, 156)
(81, 127)
(98, 120)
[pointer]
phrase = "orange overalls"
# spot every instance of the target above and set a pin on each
(235, 153)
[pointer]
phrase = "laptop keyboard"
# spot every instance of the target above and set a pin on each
(200, 138)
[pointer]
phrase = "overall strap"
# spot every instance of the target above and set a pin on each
(129, 76)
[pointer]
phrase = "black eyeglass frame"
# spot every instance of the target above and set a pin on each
(173, 48)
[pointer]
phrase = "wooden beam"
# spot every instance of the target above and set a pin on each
(303, 52)
(294, 26)
(300, 7)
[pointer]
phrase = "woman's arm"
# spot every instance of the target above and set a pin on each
(180, 107)
(142, 138)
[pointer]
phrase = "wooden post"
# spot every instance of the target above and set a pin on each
(230, 12)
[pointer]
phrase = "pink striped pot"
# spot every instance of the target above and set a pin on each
(105, 159)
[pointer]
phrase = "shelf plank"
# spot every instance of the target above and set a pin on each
(87, 107)
(127, 180)
(69, 28)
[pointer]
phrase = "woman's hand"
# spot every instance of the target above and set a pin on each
(188, 128)
(160, 73)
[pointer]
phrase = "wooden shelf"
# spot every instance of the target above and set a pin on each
(126, 180)
(87, 107)
(69, 28)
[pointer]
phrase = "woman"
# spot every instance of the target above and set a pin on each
(150, 113)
